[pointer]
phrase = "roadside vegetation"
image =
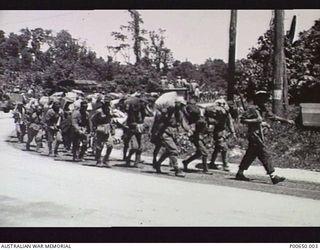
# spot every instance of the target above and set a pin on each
(37, 58)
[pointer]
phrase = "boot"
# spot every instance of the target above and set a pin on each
(154, 162)
(179, 173)
(157, 167)
(205, 164)
(240, 176)
(108, 153)
(55, 151)
(82, 152)
(18, 136)
(224, 155)
(21, 138)
(99, 163)
(137, 160)
(155, 154)
(50, 149)
(74, 156)
(162, 158)
(38, 147)
(106, 163)
(128, 159)
(158, 163)
(214, 156)
(174, 165)
(106, 157)
(98, 156)
(185, 165)
(125, 150)
(276, 179)
(187, 161)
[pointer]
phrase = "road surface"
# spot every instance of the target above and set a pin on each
(37, 191)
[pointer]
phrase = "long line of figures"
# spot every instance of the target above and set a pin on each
(86, 123)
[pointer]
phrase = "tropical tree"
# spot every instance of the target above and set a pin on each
(130, 37)
(161, 56)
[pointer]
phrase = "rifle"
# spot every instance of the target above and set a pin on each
(241, 98)
(245, 108)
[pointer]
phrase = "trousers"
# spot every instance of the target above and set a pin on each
(35, 134)
(256, 149)
(79, 138)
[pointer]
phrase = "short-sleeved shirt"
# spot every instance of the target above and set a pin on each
(254, 129)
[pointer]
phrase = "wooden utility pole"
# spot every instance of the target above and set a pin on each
(232, 54)
(289, 41)
(285, 86)
(278, 66)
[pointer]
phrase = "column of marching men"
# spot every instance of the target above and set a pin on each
(85, 124)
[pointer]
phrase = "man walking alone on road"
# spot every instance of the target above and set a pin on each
(257, 147)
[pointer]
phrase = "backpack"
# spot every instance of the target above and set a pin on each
(193, 113)
(210, 112)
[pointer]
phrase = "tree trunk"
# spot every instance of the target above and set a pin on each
(136, 35)
(232, 54)
(278, 63)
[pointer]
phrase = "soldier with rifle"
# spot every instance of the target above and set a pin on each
(254, 119)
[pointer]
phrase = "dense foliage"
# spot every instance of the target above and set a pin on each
(39, 57)
(302, 61)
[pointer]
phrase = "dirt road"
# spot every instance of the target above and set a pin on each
(39, 191)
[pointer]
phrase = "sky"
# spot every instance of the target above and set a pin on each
(193, 35)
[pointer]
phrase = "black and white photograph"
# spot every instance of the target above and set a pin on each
(175, 118)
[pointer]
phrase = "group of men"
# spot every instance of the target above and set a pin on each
(216, 121)
(79, 128)
(75, 128)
